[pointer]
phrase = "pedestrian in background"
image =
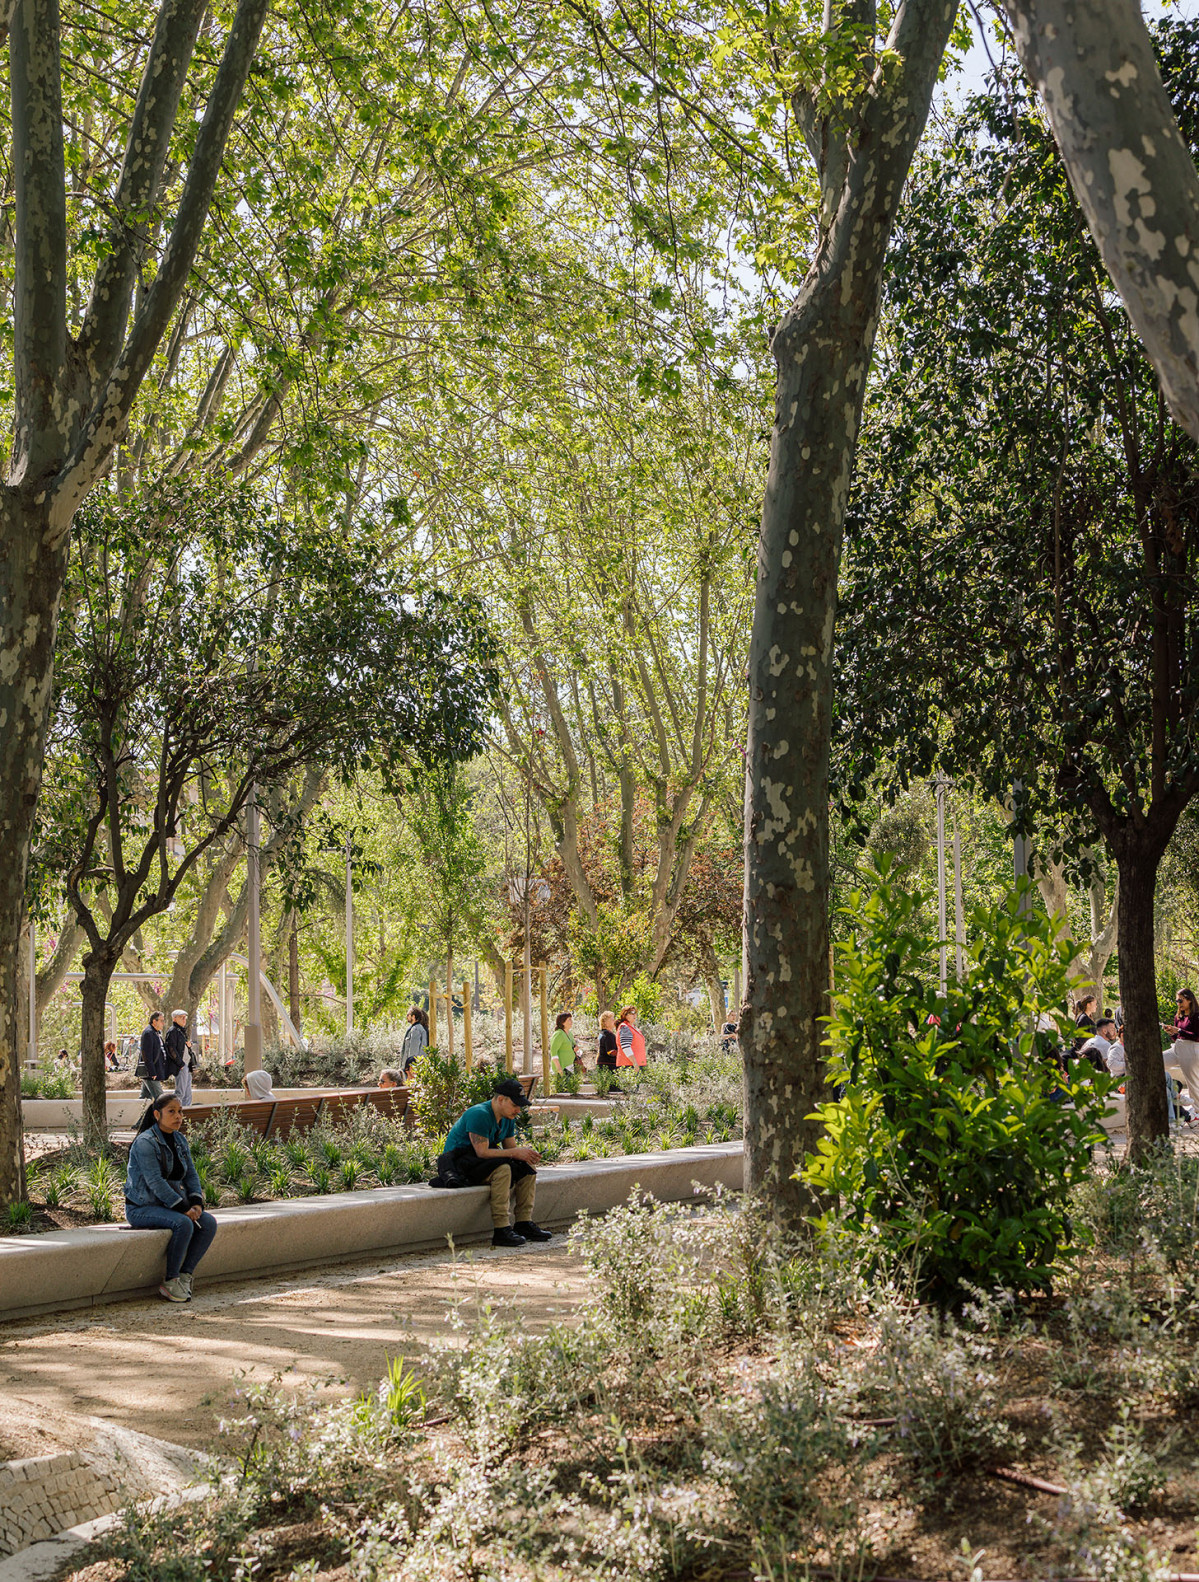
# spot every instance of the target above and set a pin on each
(179, 1057)
(152, 1059)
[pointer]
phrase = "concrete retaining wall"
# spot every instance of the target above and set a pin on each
(125, 1109)
(106, 1263)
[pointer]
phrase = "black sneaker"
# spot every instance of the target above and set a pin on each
(531, 1232)
(501, 1236)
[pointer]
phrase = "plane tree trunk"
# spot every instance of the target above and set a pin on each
(822, 348)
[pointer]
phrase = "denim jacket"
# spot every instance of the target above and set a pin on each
(146, 1185)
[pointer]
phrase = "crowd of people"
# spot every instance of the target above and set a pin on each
(162, 1187)
(1099, 1039)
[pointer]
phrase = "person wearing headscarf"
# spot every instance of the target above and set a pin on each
(163, 1192)
(259, 1085)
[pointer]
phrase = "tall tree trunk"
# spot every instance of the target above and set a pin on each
(97, 975)
(32, 567)
(710, 968)
(1094, 67)
(1145, 1086)
(823, 348)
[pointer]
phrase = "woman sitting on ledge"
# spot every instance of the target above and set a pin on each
(162, 1192)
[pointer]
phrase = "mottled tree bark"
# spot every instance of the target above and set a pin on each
(98, 969)
(73, 400)
(1145, 1084)
(823, 348)
(1092, 63)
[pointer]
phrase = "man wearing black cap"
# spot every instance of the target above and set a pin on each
(482, 1147)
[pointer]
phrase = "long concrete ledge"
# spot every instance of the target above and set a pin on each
(126, 1108)
(109, 1263)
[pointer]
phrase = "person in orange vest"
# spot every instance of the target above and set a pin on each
(631, 1041)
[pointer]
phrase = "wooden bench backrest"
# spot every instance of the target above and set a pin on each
(392, 1102)
(257, 1116)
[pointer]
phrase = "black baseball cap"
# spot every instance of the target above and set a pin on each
(510, 1088)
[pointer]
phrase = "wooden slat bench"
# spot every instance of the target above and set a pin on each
(271, 1118)
(281, 1117)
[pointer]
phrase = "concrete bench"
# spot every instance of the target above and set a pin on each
(105, 1263)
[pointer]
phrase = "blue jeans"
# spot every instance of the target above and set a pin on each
(190, 1239)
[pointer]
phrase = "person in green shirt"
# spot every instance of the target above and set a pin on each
(482, 1147)
(564, 1052)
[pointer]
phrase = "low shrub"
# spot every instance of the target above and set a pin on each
(48, 1083)
(956, 1143)
(440, 1088)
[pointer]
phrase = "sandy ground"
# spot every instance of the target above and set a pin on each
(168, 1370)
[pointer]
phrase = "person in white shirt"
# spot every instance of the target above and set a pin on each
(1097, 1047)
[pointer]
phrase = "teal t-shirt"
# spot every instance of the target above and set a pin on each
(480, 1119)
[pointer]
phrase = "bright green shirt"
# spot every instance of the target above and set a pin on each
(562, 1050)
(480, 1119)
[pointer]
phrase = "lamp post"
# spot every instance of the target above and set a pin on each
(253, 1030)
(349, 933)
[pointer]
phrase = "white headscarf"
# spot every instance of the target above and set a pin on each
(258, 1085)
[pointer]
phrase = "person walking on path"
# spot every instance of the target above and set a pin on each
(179, 1057)
(482, 1147)
(1185, 1028)
(608, 1045)
(152, 1059)
(416, 1039)
(630, 1037)
(564, 1051)
(162, 1192)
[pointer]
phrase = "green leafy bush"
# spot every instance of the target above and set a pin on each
(440, 1088)
(956, 1142)
(48, 1084)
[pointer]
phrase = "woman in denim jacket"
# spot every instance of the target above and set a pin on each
(162, 1192)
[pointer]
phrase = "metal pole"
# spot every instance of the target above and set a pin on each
(1021, 849)
(433, 1011)
(32, 993)
(508, 1017)
(349, 936)
(959, 913)
(546, 1084)
(222, 1012)
(527, 999)
(253, 1031)
(468, 1043)
(942, 921)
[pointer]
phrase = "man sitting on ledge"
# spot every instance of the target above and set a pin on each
(482, 1147)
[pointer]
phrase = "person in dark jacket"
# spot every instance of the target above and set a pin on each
(152, 1063)
(162, 1192)
(179, 1057)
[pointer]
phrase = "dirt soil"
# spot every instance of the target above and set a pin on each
(169, 1370)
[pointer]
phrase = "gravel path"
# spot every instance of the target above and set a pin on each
(168, 1370)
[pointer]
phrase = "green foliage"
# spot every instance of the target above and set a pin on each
(18, 1217)
(401, 1397)
(646, 994)
(950, 1150)
(48, 1084)
(440, 1089)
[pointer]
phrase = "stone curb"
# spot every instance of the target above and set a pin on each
(109, 1263)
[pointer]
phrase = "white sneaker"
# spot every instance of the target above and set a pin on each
(174, 1290)
(185, 1280)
